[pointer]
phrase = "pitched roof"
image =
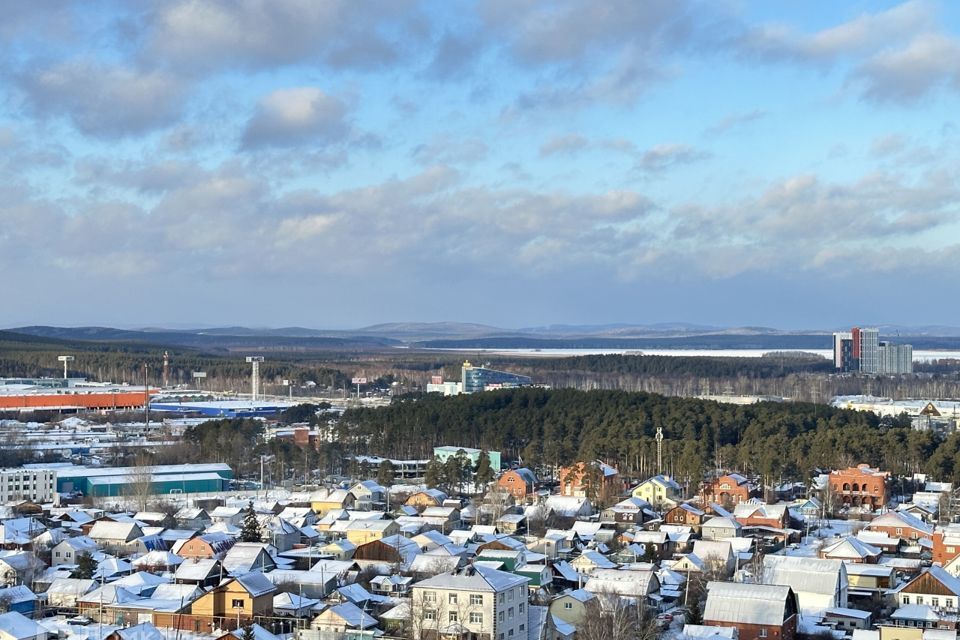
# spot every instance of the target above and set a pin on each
(737, 602)
(256, 584)
(850, 547)
(474, 578)
(812, 575)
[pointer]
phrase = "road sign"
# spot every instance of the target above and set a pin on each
(359, 381)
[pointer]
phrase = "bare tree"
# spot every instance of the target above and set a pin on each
(497, 502)
(140, 487)
(612, 617)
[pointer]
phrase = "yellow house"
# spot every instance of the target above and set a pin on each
(571, 607)
(363, 531)
(325, 500)
(660, 491)
(245, 597)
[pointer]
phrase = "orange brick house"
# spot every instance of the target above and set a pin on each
(730, 489)
(518, 482)
(946, 545)
(575, 480)
(860, 486)
(208, 545)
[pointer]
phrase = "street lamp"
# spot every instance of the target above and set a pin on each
(65, 360)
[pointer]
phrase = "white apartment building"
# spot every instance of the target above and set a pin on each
(488, 603)
(36, 485)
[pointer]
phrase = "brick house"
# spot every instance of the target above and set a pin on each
(898, 524)
(732, 488)
(860, 486)
(518, 482)
(759, 514)
(575, 480)
(208, 545)
(946, 545)
(757, 611)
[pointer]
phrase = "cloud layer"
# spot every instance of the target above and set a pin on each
(528, 161)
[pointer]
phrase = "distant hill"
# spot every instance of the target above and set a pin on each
(209, 339)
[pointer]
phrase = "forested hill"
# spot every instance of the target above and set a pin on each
(555, 427)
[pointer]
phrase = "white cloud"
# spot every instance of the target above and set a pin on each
(297, 116)
(104, 100)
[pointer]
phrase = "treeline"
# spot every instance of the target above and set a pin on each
(700, 366)
(551, 428)
(30, 356)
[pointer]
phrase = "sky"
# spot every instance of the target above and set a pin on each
(512, 162)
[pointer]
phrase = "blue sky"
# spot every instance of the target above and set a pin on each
(343, 163)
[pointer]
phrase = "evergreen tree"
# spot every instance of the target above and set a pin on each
(433, 476)
(86, 566)
(649, 553)
(694, 613)
(386, 473)
(248, 633)
(484, 473)
(250, 532)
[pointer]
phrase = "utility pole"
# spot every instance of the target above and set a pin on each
(146, 394)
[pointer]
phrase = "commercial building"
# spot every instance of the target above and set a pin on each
(860, 350)
(118, 481)
(222, 408)
(474, 379)
(36, 485)
(71, 399)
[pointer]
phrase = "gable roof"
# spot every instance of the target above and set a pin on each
(474, 578)
(812, 575)
(737, 602)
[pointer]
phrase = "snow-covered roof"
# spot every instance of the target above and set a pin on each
(850, 547)
(737, 602)
(901, 519)
(256, 584)
(810, 575)
(474, 578)
(16, 625)
(625, 583)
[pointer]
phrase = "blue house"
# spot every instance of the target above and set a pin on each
(19, 599)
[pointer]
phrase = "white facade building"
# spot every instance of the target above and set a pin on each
(490, 604)
(36, 485)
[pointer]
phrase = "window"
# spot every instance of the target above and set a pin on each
(510, 633)
(429, 614)
(476, 598)
(906, 599)
(476, 618)
(763, 633)
(452, 616)
(919, 599)
(523, 627)
(951, 549)
(429, 596)
(935, 602)
(452, 598)
(510, 612)
(568, 605)
(236, 604)
(899, 531)
(500, 617)
(949, 602)
(510, 595)
(521, 608)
